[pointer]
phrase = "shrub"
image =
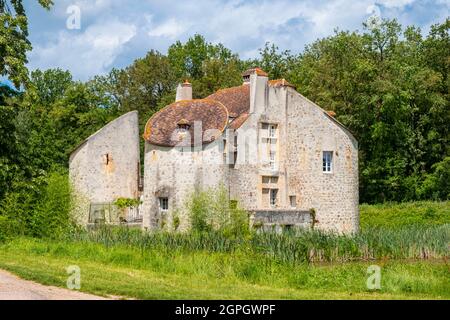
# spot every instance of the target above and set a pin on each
(40, 208)
(52, 214)
(8, 228)
(123, 203)
(212, 210)
(436, 185)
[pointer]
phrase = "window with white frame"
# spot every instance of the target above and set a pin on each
(327, 161)
(272, 160)
(163, 204)
(269, 144)
(272, 131)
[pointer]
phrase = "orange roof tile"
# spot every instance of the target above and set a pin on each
(162, 127)
(280, 83)
(256, 70)
(235, 99)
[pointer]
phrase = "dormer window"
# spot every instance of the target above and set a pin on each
(183, 125)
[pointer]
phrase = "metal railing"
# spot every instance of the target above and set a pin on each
(108, 213)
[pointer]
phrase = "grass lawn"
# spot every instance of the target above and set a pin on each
(397, 215)
(155, 274)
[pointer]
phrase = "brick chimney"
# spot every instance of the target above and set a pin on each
(184, 91)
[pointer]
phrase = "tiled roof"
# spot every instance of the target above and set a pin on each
(256, 70)
(161, 128)
(235, 99)
(213, 112)
(239, 121)
(280, 83)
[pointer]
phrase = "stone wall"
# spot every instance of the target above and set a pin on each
(333, 195)
(106, 165)
(175, 173)
(304, 132)
(282, 217)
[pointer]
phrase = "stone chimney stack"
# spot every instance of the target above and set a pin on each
(184, 91)
(257, 79)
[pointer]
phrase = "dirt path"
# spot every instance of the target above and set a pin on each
(14, 288)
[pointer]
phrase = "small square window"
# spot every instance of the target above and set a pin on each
(327, 161)
(163, 204)
(293, 201)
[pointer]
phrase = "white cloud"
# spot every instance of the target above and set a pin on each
(132, 28)
(85, 54)
(395, 3)
(171, 28)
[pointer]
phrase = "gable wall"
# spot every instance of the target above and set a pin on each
(94, 180)
(334, 195)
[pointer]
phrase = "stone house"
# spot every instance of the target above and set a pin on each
(283, 158)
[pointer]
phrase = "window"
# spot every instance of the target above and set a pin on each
(230, 149)
(163, 204)
(269, 144)
(183, 125)
(269, 179)
(293, 201)
(273, 197)
(327, 161)
(272, 131)
(272, 161)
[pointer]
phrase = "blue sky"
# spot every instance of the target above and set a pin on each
(115, 32)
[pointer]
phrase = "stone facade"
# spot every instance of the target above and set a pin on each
(280, 156)
(105, 166)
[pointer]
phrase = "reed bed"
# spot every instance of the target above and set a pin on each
(310, 246)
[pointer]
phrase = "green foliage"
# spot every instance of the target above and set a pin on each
(127, 203)
(398, 215)
(181, 274)
(14, 42)
(306, 246)
(41, 208)
(437, 184)
(175, 221)
(210, 210)
(39, 129)
(277, 64)
(208, 66)
(9, 228)
(52, 213)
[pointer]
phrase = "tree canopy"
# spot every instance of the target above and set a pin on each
(14, 42)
